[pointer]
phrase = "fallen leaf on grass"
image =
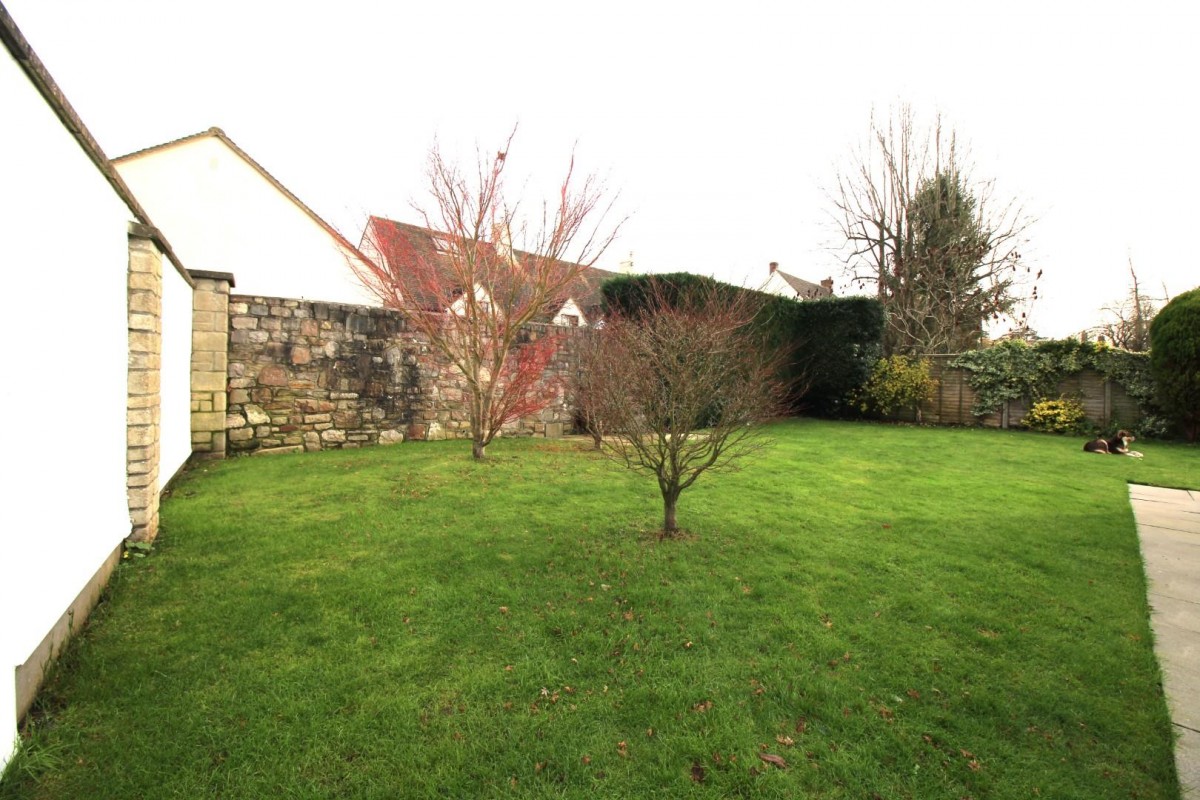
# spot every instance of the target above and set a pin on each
(700, 708)
(773, 760)
(697, 772)
(786, 741)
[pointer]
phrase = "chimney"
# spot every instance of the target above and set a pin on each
(774, 266)
(827, 285)
(502, 241)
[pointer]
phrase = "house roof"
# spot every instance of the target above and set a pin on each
(21, 52)
(222, 137)
(585, 290)
(803, 288)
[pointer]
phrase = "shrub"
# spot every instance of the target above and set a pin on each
(896, 382)
(1175, 360)
(1063, 415)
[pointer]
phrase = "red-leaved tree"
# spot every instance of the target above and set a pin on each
(463, 285)
(681, 386)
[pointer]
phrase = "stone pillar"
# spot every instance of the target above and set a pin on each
(210, 361)
(144, 401)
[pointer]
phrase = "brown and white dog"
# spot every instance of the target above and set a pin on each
(1117, 445)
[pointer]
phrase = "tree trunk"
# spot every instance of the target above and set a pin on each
(670, 498)
(478, 449)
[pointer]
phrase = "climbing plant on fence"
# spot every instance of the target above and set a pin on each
(1013, 371)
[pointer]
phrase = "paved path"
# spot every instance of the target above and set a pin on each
(1168, 523)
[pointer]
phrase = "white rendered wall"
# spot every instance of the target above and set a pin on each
(175, 426)
(64, 253)
(221, 215)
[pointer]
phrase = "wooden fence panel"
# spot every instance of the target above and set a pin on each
(1105, 403)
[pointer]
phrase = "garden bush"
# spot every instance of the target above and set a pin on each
(1061, 415)
(896, 383)
(1175, 360)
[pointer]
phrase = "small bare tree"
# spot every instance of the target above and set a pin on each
(472, 295)
(680, 387)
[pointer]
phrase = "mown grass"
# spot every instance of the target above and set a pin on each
(895, 612)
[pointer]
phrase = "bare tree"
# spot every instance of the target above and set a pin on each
(472, 294)
(680, 387)
(943, 255)
(1129, 327)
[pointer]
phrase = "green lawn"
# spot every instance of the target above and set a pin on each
(894, 612)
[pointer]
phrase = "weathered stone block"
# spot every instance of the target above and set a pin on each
(279, 450)
(145, 303)
(210, 340)
(145, 282)
(240, 435)
(255, 415)
(234, 421)
(143, 382)
(273, 375)
(139, 416)
(347, 419)
(315, 418)
(208, 421)
(244, 323)
(143, 322)
(301, 355)
(210, 301)
(333, 436)
(151, 361)
(391, 437)
(136, 435)
(208, 382)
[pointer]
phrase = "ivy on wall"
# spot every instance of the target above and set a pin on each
(1018, 371)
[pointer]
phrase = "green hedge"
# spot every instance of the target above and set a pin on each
(833, 342)
(1175, 360)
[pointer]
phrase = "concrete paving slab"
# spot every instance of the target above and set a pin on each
(1176, 612)
(1187, 762)
(1158, 493)
(1167, 531)
(1169, 517)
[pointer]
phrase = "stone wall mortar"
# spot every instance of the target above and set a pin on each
(316, 376)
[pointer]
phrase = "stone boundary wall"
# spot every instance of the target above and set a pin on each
(305, 375)
(1106, 403)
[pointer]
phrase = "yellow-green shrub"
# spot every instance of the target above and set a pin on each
(1062, 415)
(896, 382)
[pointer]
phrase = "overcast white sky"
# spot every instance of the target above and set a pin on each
(721, 125)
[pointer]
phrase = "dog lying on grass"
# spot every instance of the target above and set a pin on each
(1117, 445)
